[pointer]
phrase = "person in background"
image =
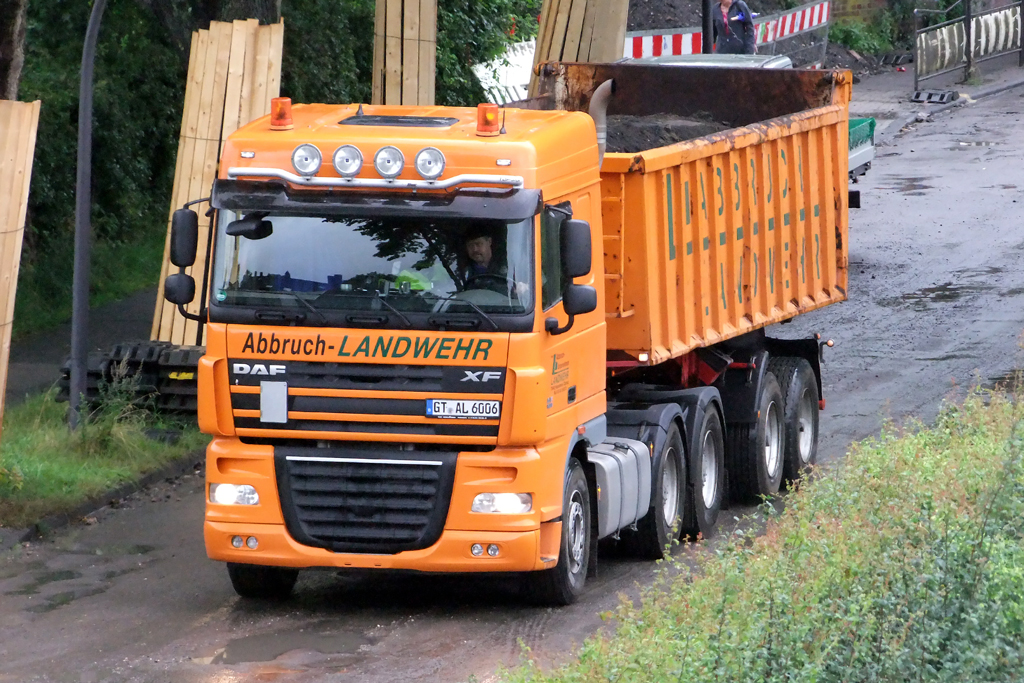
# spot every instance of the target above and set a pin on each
(734, 28)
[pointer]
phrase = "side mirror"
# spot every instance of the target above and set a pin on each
(250, 228)
(180, 289)
(184, 237)
(576, 251)
(579, 299)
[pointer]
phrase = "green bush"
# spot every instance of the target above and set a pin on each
(903, 563)
(870, 39)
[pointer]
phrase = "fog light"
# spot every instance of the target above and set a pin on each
(503, 503)
(306, 159)
(389, 162)
(430, 163)
(231, 494)
(236, 541)
(348, 161)
(252, 543)
(477, 550)
(492, 550)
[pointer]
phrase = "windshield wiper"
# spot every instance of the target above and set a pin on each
(474, 307)
(391, 308)
(308, 305)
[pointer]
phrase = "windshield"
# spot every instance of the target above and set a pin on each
(326, 266)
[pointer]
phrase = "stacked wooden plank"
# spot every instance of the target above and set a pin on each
(18, 124)
(404, 52)
(234, 70)
(579, 31)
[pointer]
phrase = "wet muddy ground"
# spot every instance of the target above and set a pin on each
(936, 305)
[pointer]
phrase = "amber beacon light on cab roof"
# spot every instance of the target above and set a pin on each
(480, 340)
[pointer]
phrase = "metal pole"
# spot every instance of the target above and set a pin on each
(83, 225)
(968, 40)
(917, 51)
(1020, 22)
(707, 29)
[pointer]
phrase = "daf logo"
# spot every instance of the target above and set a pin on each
(257, 369)
(480, 376)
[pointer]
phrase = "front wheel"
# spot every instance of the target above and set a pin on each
(563, 584)
(258, 581)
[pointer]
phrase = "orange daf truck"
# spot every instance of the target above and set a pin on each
(469, 340)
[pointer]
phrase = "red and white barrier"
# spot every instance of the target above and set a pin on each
(687, 41)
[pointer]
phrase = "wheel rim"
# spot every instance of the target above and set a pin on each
(670, 488)
(772, 440)
(805, 427)
(577, 532)
(709, 471)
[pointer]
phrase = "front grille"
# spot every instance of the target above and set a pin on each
(364, 415)
(355, 501)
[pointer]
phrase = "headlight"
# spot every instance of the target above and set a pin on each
(430, 163)
(348, 161)
(306, 159)
(389, 162)
(233, 494)
(503, 503)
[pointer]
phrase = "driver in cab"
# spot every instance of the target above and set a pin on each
(479, 244)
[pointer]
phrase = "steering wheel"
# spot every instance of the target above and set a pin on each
(495, 280)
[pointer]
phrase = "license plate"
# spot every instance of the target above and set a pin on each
(459, 409)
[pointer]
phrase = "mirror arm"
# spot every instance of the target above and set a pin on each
(551, 325)
(200, 318)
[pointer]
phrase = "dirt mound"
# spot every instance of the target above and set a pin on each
(840, 57)
(632, 134)
(645, 15)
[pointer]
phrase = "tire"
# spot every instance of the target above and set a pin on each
(563, 584)
(664, 521)
(707, 478)
(262, 583)
(755, 450)
(800, 400)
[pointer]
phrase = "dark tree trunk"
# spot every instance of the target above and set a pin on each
(12, 46)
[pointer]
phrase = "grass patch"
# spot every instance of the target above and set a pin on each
(46, 469)
(905, 562)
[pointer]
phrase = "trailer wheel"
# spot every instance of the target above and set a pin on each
(755, 450)
(664, 520)
(800, 398)
(707, 469)
(563, 583)
(260, 582)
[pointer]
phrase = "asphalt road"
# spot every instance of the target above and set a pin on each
(936, 305)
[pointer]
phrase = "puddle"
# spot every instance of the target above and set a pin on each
(269, 646)
(951, 356)
(922, 299)
(65, 598)
(41, 580)
(914, 186)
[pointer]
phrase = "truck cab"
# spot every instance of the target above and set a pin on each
(403, 308)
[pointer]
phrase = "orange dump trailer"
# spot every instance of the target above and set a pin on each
(468, 340)
(717, 236)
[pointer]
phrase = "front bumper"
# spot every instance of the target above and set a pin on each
(518, 551)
